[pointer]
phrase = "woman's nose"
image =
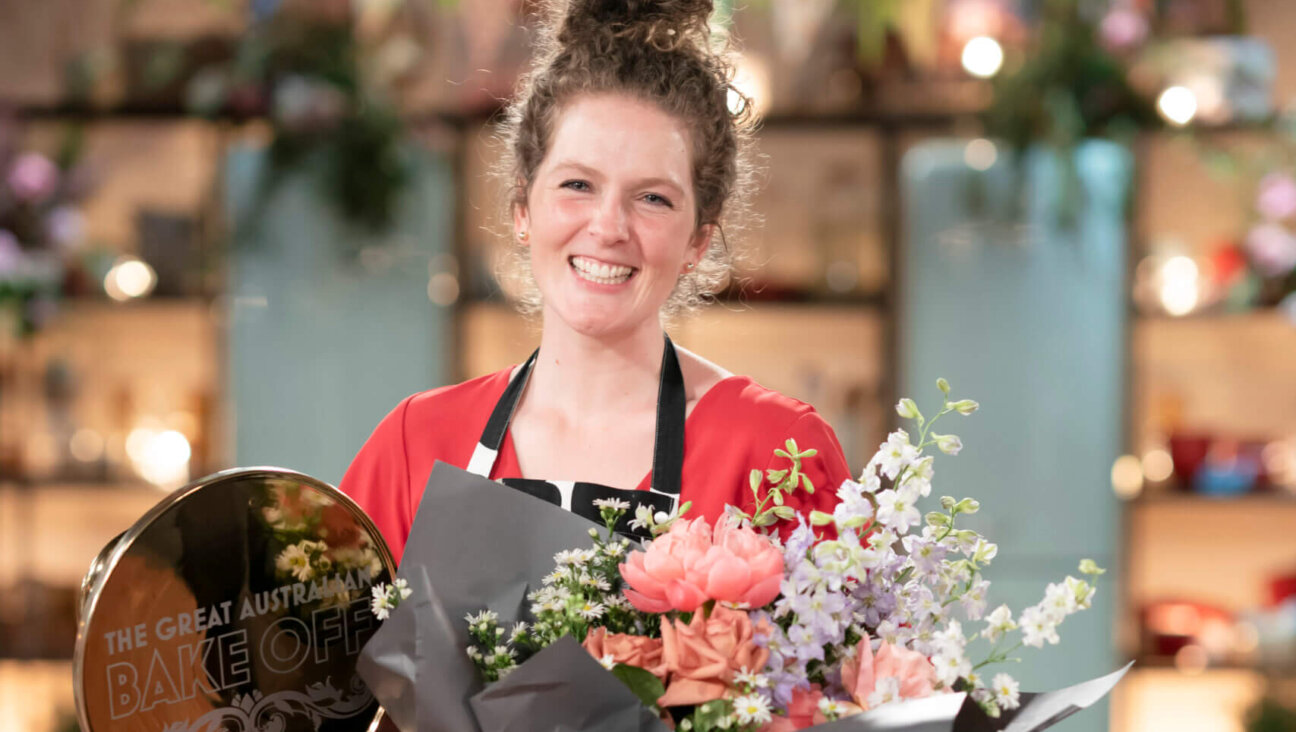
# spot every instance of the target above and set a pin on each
(609, 222)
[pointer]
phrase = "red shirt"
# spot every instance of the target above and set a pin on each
(734, 427)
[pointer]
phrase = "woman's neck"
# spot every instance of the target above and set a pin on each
(581, 374)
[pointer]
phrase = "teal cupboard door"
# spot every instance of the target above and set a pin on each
(1023, 308)
(321, 342)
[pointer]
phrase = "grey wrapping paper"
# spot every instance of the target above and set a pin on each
(478, 544)
(474, 544)
(562, 688)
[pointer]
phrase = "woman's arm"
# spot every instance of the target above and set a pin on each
(378, 479)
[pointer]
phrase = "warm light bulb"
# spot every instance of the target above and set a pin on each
(1178, 105)
(980, 154)
(164, 459)
(983, 57)
(1127, 476)
(128, 279)
(1179, 290)
(1158, 465)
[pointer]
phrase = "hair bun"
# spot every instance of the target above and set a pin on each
(661, 22)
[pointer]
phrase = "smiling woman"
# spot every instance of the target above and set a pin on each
(624, 161)
(609, 219)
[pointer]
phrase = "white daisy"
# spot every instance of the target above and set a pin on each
(751, 709)
(615, 504)
(295, 560)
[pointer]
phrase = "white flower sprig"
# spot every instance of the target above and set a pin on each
(386, 598)
(582, 591)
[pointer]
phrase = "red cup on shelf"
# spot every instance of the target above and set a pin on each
(1188, 452)
(1281, 588)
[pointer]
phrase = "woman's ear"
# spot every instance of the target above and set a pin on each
(701, 241)
(521, 223)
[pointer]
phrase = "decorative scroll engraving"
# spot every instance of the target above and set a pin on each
(257, 713)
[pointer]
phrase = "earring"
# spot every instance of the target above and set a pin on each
(524, 236)
(690, 266)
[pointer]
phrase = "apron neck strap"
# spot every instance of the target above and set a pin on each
(668, 442)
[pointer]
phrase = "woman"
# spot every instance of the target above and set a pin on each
(623, 158)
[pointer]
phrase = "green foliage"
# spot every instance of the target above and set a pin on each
(1267, 715)
(644, 685)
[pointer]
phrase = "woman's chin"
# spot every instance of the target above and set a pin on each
(595, 321)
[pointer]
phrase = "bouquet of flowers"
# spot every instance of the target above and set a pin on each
(737, 626)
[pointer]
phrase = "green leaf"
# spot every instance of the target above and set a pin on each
(791, 445)
(787, 513)
(774, 476)
(644, 685)
(778, 497)
(819, 518)
(755, 479)
(707, 717)
(805, 481)
(765, 519)
(810, 453)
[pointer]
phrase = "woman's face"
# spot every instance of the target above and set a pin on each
(610, 215)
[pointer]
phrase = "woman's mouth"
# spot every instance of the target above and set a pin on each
(600, 273)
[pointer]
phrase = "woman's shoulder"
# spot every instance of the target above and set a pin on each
(469, 396)
(742, 398)
(733, 397)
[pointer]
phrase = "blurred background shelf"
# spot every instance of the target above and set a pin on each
(1156, 663)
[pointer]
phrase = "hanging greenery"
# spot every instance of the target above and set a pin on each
(323, 74)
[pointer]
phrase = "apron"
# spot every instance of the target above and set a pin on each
(578, 497)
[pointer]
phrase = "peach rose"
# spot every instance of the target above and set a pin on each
(692, 564)
(633, 650)
(860, 677)
(703, 656)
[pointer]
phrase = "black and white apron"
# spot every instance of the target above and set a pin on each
(578, 497)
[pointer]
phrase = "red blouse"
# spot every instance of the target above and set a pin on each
(734, 427)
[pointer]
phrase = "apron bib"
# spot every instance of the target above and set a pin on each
(578, 497)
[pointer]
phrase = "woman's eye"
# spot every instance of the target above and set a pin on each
(659, 200)
(575, 185)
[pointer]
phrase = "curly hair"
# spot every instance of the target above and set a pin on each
(658, 51)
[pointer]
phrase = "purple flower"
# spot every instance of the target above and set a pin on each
(66, 227)
(33, 178)
(1276, 197)
(1122, 28)
(1272, 249)
(799, 542)
(11, 255)
(873, 603)
(925, 554)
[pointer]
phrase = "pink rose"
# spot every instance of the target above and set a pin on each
(861, 676)
(633, 650)
(802, 712)
(703, 656)
(691, 564)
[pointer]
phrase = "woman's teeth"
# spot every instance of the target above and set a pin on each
(600, 272)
